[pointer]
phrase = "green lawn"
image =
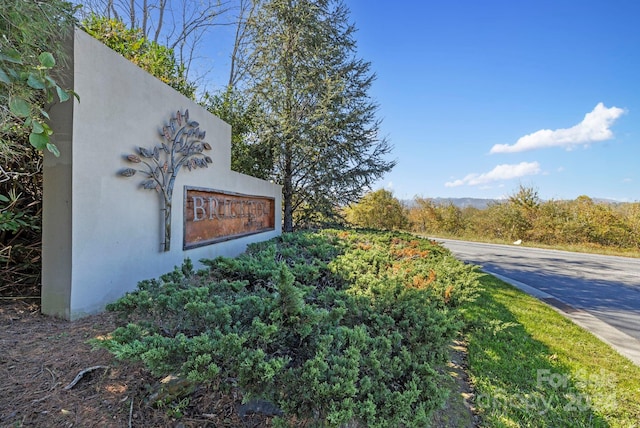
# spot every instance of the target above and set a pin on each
(532, 367)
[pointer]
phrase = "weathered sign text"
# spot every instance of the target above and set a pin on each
(212, 216)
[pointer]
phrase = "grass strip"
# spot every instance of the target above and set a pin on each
(532, 367)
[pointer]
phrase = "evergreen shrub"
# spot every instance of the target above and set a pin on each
(333, 327)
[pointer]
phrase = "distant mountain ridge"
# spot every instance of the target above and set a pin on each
(459, 202)
(481, 203)
(467, 202)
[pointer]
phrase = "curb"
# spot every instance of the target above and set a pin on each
(625, 345)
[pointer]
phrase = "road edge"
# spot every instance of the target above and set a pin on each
(625, 345)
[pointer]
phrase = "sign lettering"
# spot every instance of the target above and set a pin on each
(212, 216)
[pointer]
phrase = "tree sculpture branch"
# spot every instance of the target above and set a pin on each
(182, 146)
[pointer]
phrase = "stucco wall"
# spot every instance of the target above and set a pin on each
(102, 232)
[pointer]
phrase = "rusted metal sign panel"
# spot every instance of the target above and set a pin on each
(212, 216)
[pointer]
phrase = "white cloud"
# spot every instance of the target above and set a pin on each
(594, 127)
(500, 172)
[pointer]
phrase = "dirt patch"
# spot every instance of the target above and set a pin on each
(458, 410)
(40, 358)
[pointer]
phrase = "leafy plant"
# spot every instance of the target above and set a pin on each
(582, 224)
(248, 155)
(38, 79)
(300, 66)
(379, 210)
(31, 53)
(10, 220)
(153, 57)
(31, 41)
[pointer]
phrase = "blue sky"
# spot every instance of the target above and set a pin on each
(479, 97)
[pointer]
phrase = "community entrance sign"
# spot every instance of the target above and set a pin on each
(143, 181)
(213, 216)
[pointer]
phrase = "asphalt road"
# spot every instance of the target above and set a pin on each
(604, 291)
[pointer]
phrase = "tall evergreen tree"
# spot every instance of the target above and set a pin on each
(315, 111)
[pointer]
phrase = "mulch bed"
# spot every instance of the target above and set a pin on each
(41, 356)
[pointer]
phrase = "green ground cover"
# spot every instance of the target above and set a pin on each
(331, 328)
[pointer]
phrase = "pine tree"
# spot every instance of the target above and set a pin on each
(314, 108)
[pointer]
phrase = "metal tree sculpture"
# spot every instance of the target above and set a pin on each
(182, 146)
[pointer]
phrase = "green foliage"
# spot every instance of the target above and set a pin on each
(31, 53)
(524, 216)
(11, 220)
(426, 216)
(332, 327)
(314, 110)
(32, 33)
(378, 210)
(156, 59)
(384, 259)
(20, 226)
(249, 155)
(17, 225)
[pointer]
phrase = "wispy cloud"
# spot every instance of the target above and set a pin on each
(594, 127)
(500, 172)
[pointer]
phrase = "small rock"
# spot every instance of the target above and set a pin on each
(171, 388)
(261, 407)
